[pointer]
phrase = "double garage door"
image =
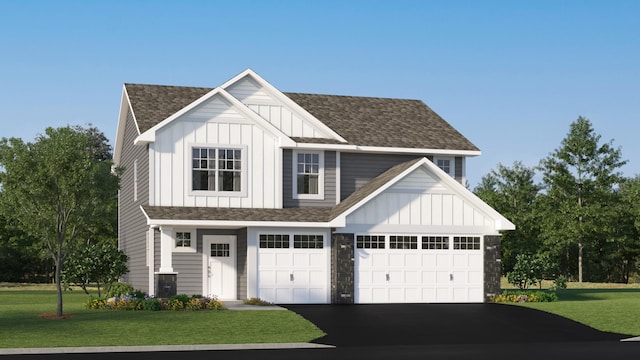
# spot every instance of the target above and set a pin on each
(294, 269)
(416, 269)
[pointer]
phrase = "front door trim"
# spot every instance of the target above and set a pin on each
(207, 240)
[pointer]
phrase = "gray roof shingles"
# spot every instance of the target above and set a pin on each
(363, 121)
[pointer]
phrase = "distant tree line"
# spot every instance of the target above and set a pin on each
(583, 214)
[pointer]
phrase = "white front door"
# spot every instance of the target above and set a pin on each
(220, 252)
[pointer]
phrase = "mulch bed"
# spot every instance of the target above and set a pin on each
(53, 316)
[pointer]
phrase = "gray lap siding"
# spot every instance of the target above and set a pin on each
(329, 182)
(132, 228)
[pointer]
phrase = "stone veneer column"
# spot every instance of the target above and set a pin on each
(492, 266)
(342, 269)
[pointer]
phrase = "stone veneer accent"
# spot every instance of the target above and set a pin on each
(492, 265)
(342, 269)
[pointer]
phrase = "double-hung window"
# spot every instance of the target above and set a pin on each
(217, 169)
(308, 175)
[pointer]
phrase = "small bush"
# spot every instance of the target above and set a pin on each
(559, 283)
(257, 301)
(525, 296)
(120, 289)
(151, 304)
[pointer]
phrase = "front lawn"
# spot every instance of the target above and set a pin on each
(22, 327)
(603, 306)
(614, 309)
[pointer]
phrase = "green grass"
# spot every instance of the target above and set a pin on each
(603, 306)
(612, 310)
(21, 326)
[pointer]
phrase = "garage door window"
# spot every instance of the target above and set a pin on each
(435, 242)
(308, 241)
(274, 241)
(403, 242)
(466, 243)
(370, 242)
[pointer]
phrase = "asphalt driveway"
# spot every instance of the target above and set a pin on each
(443, 324)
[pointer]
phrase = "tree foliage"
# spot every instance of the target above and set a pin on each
(512, 191)
(101, 264)
(579, 179)
(57, 190)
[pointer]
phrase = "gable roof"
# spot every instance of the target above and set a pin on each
(384, 122)
(361, 121)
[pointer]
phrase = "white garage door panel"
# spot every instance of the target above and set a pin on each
(418, 275)
(293, 275)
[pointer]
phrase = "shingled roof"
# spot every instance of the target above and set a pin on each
(363, 121)
(369, 121)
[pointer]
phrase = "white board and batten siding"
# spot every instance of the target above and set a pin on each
(258, 99)
(215, 123)
(422, 201)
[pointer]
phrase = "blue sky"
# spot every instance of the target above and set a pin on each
(509, 75)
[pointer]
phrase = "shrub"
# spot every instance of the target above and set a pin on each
(525, 296)
(257, 301)
(151, 304)
(559, 283)
(120, 289)
(214, 304)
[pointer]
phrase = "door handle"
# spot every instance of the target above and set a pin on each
(450, 277)
(291, 277)
(387, 276)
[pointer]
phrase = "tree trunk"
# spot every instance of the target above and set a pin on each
(580, 246)
(58, 286)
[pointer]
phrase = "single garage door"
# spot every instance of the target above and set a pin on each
(292, 269)
(416, 269)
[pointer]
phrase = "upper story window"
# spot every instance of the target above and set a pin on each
(308, 177)
(446, 164)
(217, 169)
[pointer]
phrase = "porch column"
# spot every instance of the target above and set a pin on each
(166, 250)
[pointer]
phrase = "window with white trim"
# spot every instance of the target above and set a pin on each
(274, 241)
(435, 242)
(370, 241)
(217, 169)
(308, 175)
(403, 242)
(308, 241)
(445, 164)
(466, 243)
(184, 241)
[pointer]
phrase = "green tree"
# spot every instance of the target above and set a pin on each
(55, 190)
(579, 180)
(512, 191)
(101, 263)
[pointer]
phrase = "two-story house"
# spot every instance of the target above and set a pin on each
(244, 191)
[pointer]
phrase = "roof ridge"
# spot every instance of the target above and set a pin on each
(350, 96)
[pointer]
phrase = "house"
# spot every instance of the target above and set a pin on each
(244, 191)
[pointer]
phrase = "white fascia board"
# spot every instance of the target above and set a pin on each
(125, 105)
(381, 149)
(285, 100)
(150, 135)
(386, 150)
(501, 223)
